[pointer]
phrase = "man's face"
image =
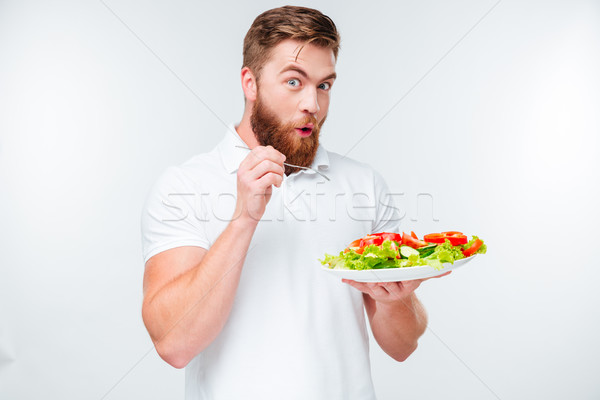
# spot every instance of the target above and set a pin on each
(293, 94)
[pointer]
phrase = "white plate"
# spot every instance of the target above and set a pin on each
(395, 274)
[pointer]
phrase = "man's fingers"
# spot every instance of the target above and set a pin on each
(264, 167)
(385, 291)
(260, 153)
(373, 289)
(269, 179)
(411, 286)
(393, 288)
(257, 173)
(362, 286)
(379, 289)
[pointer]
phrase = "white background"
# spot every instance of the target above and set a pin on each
(500, 127)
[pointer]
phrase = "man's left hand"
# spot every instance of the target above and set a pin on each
(389, 292)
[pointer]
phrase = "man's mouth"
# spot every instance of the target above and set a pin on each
(305, 130)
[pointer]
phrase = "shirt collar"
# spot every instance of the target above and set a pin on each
(321, 158)
(232, 156)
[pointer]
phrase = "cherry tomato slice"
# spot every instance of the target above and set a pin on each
(411, 241)
(434, 238)
(473, 248)
(371, 239)
(456, 238)
(451, 233)
(390, 236)
(355, 243)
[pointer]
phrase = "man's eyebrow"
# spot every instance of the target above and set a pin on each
(303, 73)
(333, 75)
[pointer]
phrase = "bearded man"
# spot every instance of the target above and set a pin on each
(233, 291)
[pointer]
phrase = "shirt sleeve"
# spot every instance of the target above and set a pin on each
(170, 216)
(387, 216)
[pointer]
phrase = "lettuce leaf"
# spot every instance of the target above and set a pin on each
(446, 253)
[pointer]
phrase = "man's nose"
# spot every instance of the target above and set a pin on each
(309, 102)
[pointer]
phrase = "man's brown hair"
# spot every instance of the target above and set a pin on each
(289, 22)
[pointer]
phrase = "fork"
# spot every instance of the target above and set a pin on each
(292, 165)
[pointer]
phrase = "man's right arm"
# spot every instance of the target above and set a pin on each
(189, 291)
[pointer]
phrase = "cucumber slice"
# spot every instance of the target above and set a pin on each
(407, 251)
(426, 250)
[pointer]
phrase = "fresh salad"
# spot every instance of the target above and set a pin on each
(394, 250)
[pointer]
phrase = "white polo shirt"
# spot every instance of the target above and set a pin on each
(294, 332)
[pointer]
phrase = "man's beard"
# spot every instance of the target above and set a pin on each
(269, 130)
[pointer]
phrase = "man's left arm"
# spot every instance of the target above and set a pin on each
(397, 317)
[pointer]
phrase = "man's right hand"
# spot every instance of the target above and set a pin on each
(257, 174)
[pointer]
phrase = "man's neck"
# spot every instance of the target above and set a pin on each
(244, 129)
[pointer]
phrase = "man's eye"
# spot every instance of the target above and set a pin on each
(293, 82)
(325, 86)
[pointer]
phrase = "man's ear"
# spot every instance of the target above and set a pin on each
(249, 84)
